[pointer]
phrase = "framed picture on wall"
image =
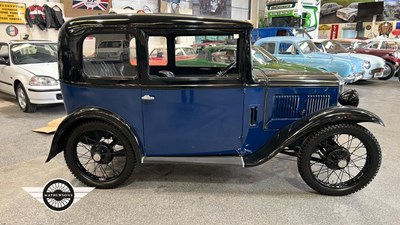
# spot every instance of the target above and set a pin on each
(74, 8)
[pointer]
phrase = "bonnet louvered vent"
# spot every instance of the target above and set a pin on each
(286, 106)
(317, 102)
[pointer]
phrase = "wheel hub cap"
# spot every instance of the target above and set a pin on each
(338, 159)
(102, 153)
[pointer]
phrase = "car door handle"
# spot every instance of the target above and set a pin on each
(147, 98)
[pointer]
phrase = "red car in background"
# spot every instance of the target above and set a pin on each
(387, 48)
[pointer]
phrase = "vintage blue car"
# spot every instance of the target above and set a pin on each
(303, 51)
(222, 106)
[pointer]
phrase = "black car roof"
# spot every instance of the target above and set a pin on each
(154, 21)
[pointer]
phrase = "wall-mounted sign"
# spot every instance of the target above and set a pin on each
(12, 30)
(90, 4)
(368, 27)
(334, 31)
(11, 12)
(324, 27)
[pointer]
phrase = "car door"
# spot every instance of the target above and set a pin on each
(187, 108)
(6, 73)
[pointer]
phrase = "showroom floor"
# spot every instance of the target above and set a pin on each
(273, 193)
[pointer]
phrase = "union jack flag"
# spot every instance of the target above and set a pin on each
(90, 4)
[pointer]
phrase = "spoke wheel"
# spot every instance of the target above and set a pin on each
(99, 155)
(339, 159)
(23, 100)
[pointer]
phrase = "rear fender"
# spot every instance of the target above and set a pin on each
(90, 114)
(303, 127)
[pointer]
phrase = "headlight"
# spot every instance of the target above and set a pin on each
(42, 81)
(367, 64)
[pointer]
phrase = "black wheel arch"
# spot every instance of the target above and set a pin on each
(91, 114)
(300, 129)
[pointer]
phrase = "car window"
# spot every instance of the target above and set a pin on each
(269, 46)
(3, 50)
(373, 44)
(28, 53)
(333, 47)
(287, 48)
(196, 57)
(104, 56)
(307, 47)
(157, 46)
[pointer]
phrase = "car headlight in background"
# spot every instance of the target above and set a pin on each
(367, 64)
(42, 81)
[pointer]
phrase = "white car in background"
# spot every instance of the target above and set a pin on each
(349, 13)
(376, 64)
(29, 71)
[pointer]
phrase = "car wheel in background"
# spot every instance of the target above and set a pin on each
(351, 19)
(23, 100)
(388, 71)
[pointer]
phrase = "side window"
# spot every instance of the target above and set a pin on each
(287, 49)
(158, 51)
(374, 44)
(270, 47)
(111, 56)
(196, 57)
(4, 52)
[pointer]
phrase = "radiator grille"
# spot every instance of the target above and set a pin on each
(286, 106)
(317, 102)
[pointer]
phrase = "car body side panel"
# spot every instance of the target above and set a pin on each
(124, 102)
(193, 121)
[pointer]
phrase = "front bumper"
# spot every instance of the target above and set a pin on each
(354, 77)
(44, 95)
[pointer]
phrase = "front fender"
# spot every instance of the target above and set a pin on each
(76, 118)
(307, 125)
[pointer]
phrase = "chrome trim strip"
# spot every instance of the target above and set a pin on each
(291, 80)
(220, 160)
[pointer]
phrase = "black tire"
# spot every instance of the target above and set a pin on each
(23, 100)
(94, 151)
(322, 155)
(388, 71)
(351, 19)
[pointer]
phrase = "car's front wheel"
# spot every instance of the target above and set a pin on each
(23, 99)
(388, 71)
(99, 155)
(339, 159)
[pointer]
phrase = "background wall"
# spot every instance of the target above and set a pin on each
(34, 33)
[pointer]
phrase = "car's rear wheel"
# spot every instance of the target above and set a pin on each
(99, 155)
(388, 71)
(339, 159)
(23, 100)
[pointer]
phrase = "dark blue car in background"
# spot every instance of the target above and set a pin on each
(218, 107)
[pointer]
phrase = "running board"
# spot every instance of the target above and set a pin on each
(219, 160)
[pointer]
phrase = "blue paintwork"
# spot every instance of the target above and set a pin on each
(255, 137)
(193, 121)
(196, 121)
(124, 102)
(327, 62)
(258, 33)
